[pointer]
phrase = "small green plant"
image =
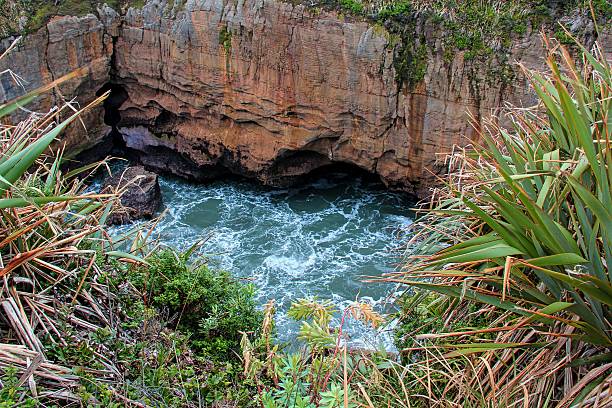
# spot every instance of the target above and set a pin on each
(136, 3)
(563, 37)
(315, 376)
(210, 304)
(11, 393)
(225, 39)
(176, 5)
(411, 63)
(75, 7)
(352, 6)
(395, 9)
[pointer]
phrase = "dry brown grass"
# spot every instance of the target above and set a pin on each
(53, 253)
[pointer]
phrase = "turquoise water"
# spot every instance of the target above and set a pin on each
(319, 239)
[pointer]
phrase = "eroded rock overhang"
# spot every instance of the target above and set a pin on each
(268, 90)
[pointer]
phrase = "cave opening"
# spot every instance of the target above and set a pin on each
(165, 119)
(112, 116)
(306, 166)
(291, 167)
(342, 172)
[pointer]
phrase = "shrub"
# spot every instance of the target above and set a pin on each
(225, 39)
(208, 303)
(352, 6)
(75, 7)
(411, 63)
(395, 9)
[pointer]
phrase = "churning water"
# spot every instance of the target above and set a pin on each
(319, 239)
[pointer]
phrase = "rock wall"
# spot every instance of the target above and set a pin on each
(64, 45)
(266, 89)
(273, 91)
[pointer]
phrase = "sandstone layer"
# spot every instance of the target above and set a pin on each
(266, 89)
(64, 45)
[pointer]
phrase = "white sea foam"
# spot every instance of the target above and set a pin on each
(316, 240)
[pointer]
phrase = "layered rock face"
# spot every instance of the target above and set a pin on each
(268, 90)
(273, 91)
(64, 45)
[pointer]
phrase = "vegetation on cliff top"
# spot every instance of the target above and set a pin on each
(481, 31)
(26, 16)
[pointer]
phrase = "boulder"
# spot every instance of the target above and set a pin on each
(140, 194)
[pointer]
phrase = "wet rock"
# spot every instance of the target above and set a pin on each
(140, 194)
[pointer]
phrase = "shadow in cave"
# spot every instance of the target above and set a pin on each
(305, 166)
(112, 143)
(340, 171)
(112, 117)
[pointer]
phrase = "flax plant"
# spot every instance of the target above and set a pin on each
(52, 246)
(523, 227)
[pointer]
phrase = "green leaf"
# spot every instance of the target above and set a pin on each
(120, 254)
(472, 348)
(20, 102)
(496, 250)
(567, 258)
(22, 202)
(14, 167)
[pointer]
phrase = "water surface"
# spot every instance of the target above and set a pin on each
(319, 239)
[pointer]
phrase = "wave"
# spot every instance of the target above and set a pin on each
(318, 239)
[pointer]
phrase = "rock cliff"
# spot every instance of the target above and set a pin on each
(265, 89)
(65, 44)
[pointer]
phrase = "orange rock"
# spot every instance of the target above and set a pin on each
(269, 90)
